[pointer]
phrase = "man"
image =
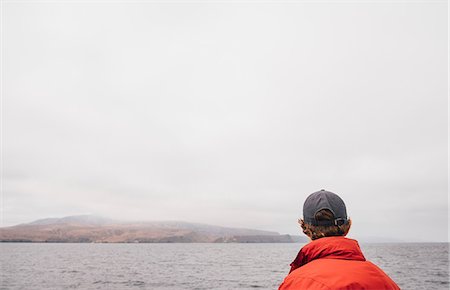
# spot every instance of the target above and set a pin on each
(330, 260)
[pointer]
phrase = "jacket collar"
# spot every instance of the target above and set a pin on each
(328, 248)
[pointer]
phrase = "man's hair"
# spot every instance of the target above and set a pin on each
(316, 232)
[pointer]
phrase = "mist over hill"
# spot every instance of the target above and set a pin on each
(94, 229)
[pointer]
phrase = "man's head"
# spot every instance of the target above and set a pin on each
(324, 215)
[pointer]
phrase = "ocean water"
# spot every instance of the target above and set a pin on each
(196, 266)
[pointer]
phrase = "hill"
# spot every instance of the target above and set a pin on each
(93, 229)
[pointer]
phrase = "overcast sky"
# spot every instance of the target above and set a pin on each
(227, 113)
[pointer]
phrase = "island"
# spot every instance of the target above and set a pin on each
(93, 229)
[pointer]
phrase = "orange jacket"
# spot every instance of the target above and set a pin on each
(334, 263)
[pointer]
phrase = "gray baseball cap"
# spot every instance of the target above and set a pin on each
(324, 200)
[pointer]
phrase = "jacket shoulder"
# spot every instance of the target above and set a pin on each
(338, 274)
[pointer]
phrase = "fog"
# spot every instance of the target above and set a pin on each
(227, 113)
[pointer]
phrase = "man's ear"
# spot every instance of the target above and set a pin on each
(349, 226)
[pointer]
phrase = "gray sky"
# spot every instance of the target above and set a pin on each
(227, 113)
